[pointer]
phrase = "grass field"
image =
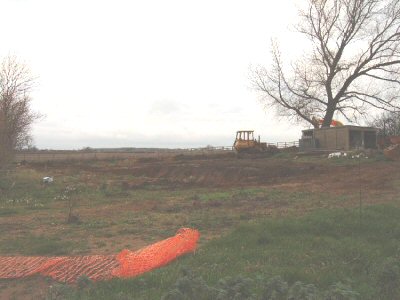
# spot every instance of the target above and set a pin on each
(326, 253)
(270, 228)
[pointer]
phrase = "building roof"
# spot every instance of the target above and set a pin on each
(344, 126)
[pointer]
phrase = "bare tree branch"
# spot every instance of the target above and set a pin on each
(356, 47)
(16, 116)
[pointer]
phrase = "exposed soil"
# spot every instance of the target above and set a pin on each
(231, 172)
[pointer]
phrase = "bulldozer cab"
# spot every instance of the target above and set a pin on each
(245, 135)
(245, 141)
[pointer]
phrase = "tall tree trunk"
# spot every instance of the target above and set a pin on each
(328, 116)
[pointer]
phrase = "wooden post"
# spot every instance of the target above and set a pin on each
(362, 139)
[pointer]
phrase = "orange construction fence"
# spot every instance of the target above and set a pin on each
(102, 267)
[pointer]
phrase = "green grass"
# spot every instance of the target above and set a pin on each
(8, 212)
(323, 248)
(40, 245)
(227, 194)
(23, 183)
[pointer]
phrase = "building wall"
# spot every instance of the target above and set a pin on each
(332, 138)
(340, 138)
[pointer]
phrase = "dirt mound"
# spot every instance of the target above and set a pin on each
(222, 173)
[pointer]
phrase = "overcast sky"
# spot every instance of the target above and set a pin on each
(149, 73)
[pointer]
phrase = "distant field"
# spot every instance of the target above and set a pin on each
(51, 156)
(133, 153)
(110, 155)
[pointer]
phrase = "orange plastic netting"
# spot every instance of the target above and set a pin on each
(101, 267)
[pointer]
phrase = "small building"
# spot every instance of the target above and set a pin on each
(339, 138)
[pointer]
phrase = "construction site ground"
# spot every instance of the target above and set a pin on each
(131, 203)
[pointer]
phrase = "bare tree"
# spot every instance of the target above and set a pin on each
(16, 116)
(388, 123)
(352, 67)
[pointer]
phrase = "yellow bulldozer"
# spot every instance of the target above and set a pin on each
(245, 143)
